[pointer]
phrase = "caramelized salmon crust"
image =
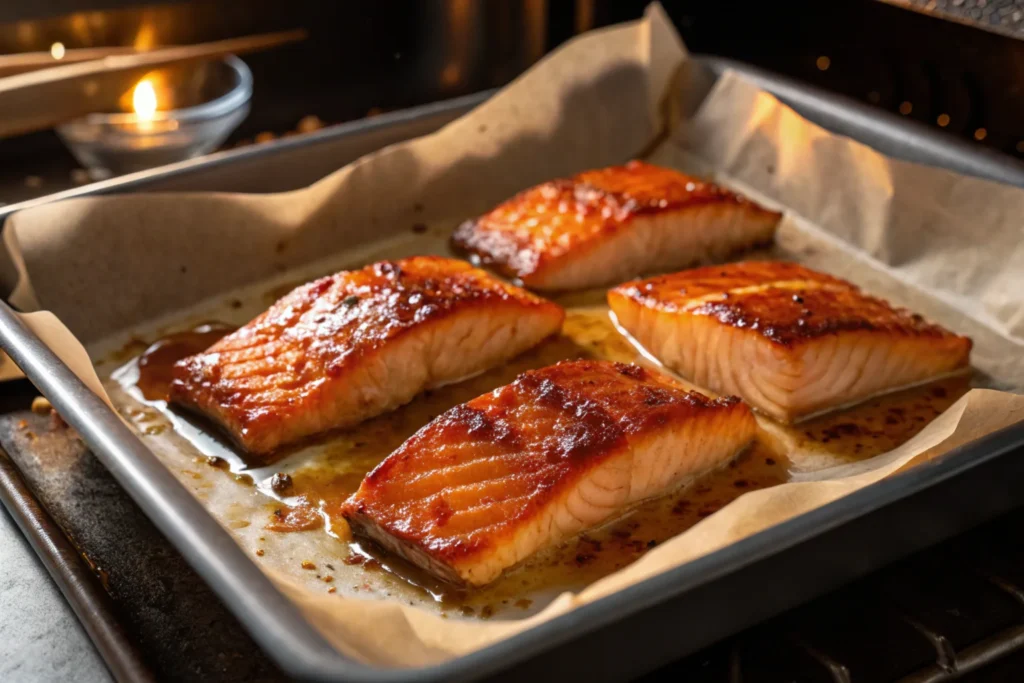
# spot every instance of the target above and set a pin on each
(559, 450)
(789, 340)
(603, 226)
(344, 348)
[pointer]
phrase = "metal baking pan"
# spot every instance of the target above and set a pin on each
(632, 631)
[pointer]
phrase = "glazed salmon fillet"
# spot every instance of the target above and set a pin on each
(791, 341)
(603, 226)
(356, 344)
(560, 450)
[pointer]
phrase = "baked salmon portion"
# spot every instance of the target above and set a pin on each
(356, 344)
(604, 226)
(533, 463)
(791, 341)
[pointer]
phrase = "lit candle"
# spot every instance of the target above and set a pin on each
(161, 118)
(144, 103)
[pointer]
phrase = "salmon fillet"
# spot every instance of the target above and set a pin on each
(791, 341)
(344, 348)
(604, 226)
(535, 462)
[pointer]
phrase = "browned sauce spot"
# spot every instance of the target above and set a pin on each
(302, 517)
(157, 362)
(306, 564)
(884, 423)
(280, 482)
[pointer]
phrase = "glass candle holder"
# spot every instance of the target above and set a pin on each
(175, 113)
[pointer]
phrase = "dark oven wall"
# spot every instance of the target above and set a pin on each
(365, 57)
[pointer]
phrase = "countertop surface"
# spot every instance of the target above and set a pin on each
(40, 637)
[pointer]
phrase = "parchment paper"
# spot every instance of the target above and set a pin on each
(946, 245)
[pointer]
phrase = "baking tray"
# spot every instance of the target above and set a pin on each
(632, 631)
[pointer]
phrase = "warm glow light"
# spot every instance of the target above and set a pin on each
(906, 108)
(144, 99)
(451, 74)
(943, 120)
(57, 50)
(823, 63)
(980, 134)
(146, 38)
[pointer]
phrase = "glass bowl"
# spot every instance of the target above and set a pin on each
(201, 103)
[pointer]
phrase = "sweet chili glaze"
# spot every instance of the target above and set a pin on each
(287, 374)
(319, 488)
(465, 494)
(537, 228)
(785, 302)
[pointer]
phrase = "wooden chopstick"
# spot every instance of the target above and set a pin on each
(43, 98)
(23, 62)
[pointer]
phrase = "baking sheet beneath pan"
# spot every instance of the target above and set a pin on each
(741, 135)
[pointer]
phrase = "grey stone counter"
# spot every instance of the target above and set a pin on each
(40, 637)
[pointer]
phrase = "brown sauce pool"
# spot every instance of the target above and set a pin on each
(311, 494)
(156, 364)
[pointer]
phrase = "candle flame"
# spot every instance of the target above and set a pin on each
(144, 98)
